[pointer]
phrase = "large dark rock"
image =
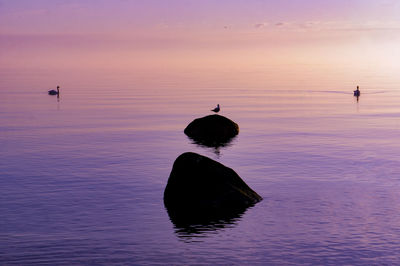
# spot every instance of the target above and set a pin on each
(202, 190)
(212, 130)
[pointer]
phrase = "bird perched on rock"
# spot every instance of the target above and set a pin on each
(216, 109)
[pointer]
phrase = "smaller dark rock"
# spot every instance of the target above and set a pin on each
(212, 130)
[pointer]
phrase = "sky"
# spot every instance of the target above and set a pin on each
(131, 16)
(188, 34)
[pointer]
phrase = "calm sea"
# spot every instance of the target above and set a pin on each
(82, 176)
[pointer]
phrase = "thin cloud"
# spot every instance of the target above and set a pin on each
(30, 12)
(332, 26)
(261, 25)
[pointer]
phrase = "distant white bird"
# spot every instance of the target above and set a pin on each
(55, 92)
(216, 109)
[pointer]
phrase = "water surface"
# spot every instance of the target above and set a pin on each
(82, 176)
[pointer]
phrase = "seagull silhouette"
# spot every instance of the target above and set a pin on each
(216, 109)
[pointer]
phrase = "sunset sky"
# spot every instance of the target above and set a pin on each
(182, 34)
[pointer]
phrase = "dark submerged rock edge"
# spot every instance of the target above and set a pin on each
(212, 130)
(200, 186)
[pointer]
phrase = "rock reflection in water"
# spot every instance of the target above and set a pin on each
(194, 225)
(214, 146)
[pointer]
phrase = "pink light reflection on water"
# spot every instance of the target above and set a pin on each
(85, 174)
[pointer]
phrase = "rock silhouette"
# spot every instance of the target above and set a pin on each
(201, 190)
(212, 130)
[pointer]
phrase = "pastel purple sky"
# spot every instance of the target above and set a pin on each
(124, 16)
(178, 33)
